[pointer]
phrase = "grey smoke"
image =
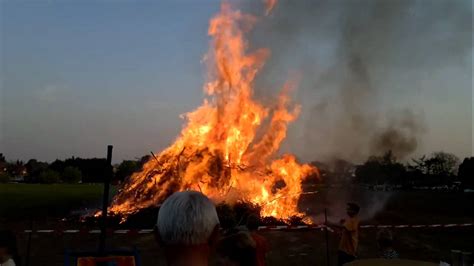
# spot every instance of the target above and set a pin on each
(335, 200)
(400, 136)
(355, 58)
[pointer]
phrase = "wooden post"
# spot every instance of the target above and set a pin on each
(105, 200)
(327, 235)
(28, 244)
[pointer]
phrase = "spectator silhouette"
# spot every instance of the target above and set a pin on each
(385, 244)
(261, 243)
(8, 249)
(238, 249)
(187, 228)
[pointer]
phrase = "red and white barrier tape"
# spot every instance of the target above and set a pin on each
(294, 227)
(260, 228)
(417, 225)
(321, 226)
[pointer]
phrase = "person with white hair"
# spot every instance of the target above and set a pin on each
(187, 228)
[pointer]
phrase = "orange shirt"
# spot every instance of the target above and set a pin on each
(114, 260)
(350, 236)
(261, 247)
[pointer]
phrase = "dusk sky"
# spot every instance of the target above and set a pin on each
(78, 75)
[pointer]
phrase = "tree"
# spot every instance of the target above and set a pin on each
(381, 170)
(58, 166)
(3, 163)
(466, 173)
(16, 169)
(49, 177)
(443, 164)
(438, 169)
(34, 168)
(342, 170)
(71, 175)
(93, 170)
(4, 177)
(370, 172)
(144, 159)
(419, 165)
(127, 168)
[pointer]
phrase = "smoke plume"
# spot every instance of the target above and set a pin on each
(358, 60)
(400, 136)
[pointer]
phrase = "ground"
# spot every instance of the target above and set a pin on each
(48, 204)
(22, 201)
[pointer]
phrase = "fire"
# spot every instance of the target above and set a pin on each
(269, 5)
(227, 148)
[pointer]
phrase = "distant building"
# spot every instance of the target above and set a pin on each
(17, 179)
(17, 169)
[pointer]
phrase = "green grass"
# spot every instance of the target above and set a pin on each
(36, 200)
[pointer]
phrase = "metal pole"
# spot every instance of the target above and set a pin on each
(28, 244)
(105, 200)
(327, 235)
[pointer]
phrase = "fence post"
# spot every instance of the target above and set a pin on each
(105, 200)
(327, 235)
(28, 243)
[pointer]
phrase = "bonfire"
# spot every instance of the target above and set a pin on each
(228, 148)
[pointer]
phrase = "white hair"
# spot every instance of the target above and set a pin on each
(187, 218)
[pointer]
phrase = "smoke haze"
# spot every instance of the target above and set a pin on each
(356, 57)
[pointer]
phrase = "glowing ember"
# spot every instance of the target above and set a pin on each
(228, 146)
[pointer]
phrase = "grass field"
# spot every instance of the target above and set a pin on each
(22, 201)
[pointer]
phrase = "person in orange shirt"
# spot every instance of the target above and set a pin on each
(349, 235)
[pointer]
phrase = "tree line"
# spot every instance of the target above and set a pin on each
(72, 170)
(437, 169)
(440, 169)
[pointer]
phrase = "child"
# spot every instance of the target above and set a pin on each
(349, 236)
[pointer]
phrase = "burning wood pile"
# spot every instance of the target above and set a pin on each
(227, 149)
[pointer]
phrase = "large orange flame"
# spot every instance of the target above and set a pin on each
(228, 146)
